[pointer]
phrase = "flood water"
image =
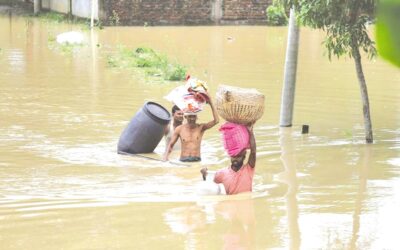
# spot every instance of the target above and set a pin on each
(63, 186)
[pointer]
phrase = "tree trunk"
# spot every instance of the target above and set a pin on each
(289, 82)
(361, 195)
(364, 93)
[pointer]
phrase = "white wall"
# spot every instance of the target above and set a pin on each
(80, 8)
(56, 5)
(46, 4)
(59, 6)
(83, 8)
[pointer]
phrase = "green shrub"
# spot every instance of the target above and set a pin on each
(176, 73)
(152, 63)
(53, 17)
(114, 18)
(276, 15)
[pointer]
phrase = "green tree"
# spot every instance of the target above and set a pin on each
(387, 31)
(276, 15)
(345, 23)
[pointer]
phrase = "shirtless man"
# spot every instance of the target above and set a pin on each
(190, 135)
(177, 116)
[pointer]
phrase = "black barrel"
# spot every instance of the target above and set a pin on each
(145, 130)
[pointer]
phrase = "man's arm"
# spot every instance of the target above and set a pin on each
(171, 144)
(166, 130)
(252, 157)
(203, 172)
(215, 116)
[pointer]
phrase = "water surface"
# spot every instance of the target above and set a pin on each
(62, 111)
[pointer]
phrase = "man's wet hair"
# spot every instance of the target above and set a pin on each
(174, 109)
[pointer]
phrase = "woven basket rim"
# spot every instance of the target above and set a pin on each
(239, 105)
(225, 86)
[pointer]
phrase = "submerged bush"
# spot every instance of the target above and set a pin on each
(53, 17)
(151, 62)
(276, 14)
(176, 73)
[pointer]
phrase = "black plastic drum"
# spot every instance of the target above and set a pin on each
(145, 130)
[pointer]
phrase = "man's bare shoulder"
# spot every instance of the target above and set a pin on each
(179, 128)
(187, 130)
(186, 126)
(201, 125)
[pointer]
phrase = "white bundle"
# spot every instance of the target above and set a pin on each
(209, 187)
(72, 37)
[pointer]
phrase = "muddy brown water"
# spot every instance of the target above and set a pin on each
(62, 185)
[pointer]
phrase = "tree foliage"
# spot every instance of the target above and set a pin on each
(345, 23)
(387, 30)
(276, 15)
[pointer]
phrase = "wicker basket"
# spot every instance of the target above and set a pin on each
(239, 105)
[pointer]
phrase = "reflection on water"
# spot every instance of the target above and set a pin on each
(227, 224)
(62, 111)
(289, 176)
(362, 188)
(240, 215)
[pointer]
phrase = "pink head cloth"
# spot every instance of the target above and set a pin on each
(235, 138)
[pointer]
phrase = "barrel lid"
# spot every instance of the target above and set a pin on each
(157, 112)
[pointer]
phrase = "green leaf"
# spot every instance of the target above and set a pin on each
(387, 30)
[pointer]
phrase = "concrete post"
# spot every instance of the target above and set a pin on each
(70, 9)
(37, 5)
(92, 13)
(289, 84)
(216, 11)
(102, 12)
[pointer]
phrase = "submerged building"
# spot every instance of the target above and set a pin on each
(162, 12)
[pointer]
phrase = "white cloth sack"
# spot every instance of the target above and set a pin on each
(184, 100)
